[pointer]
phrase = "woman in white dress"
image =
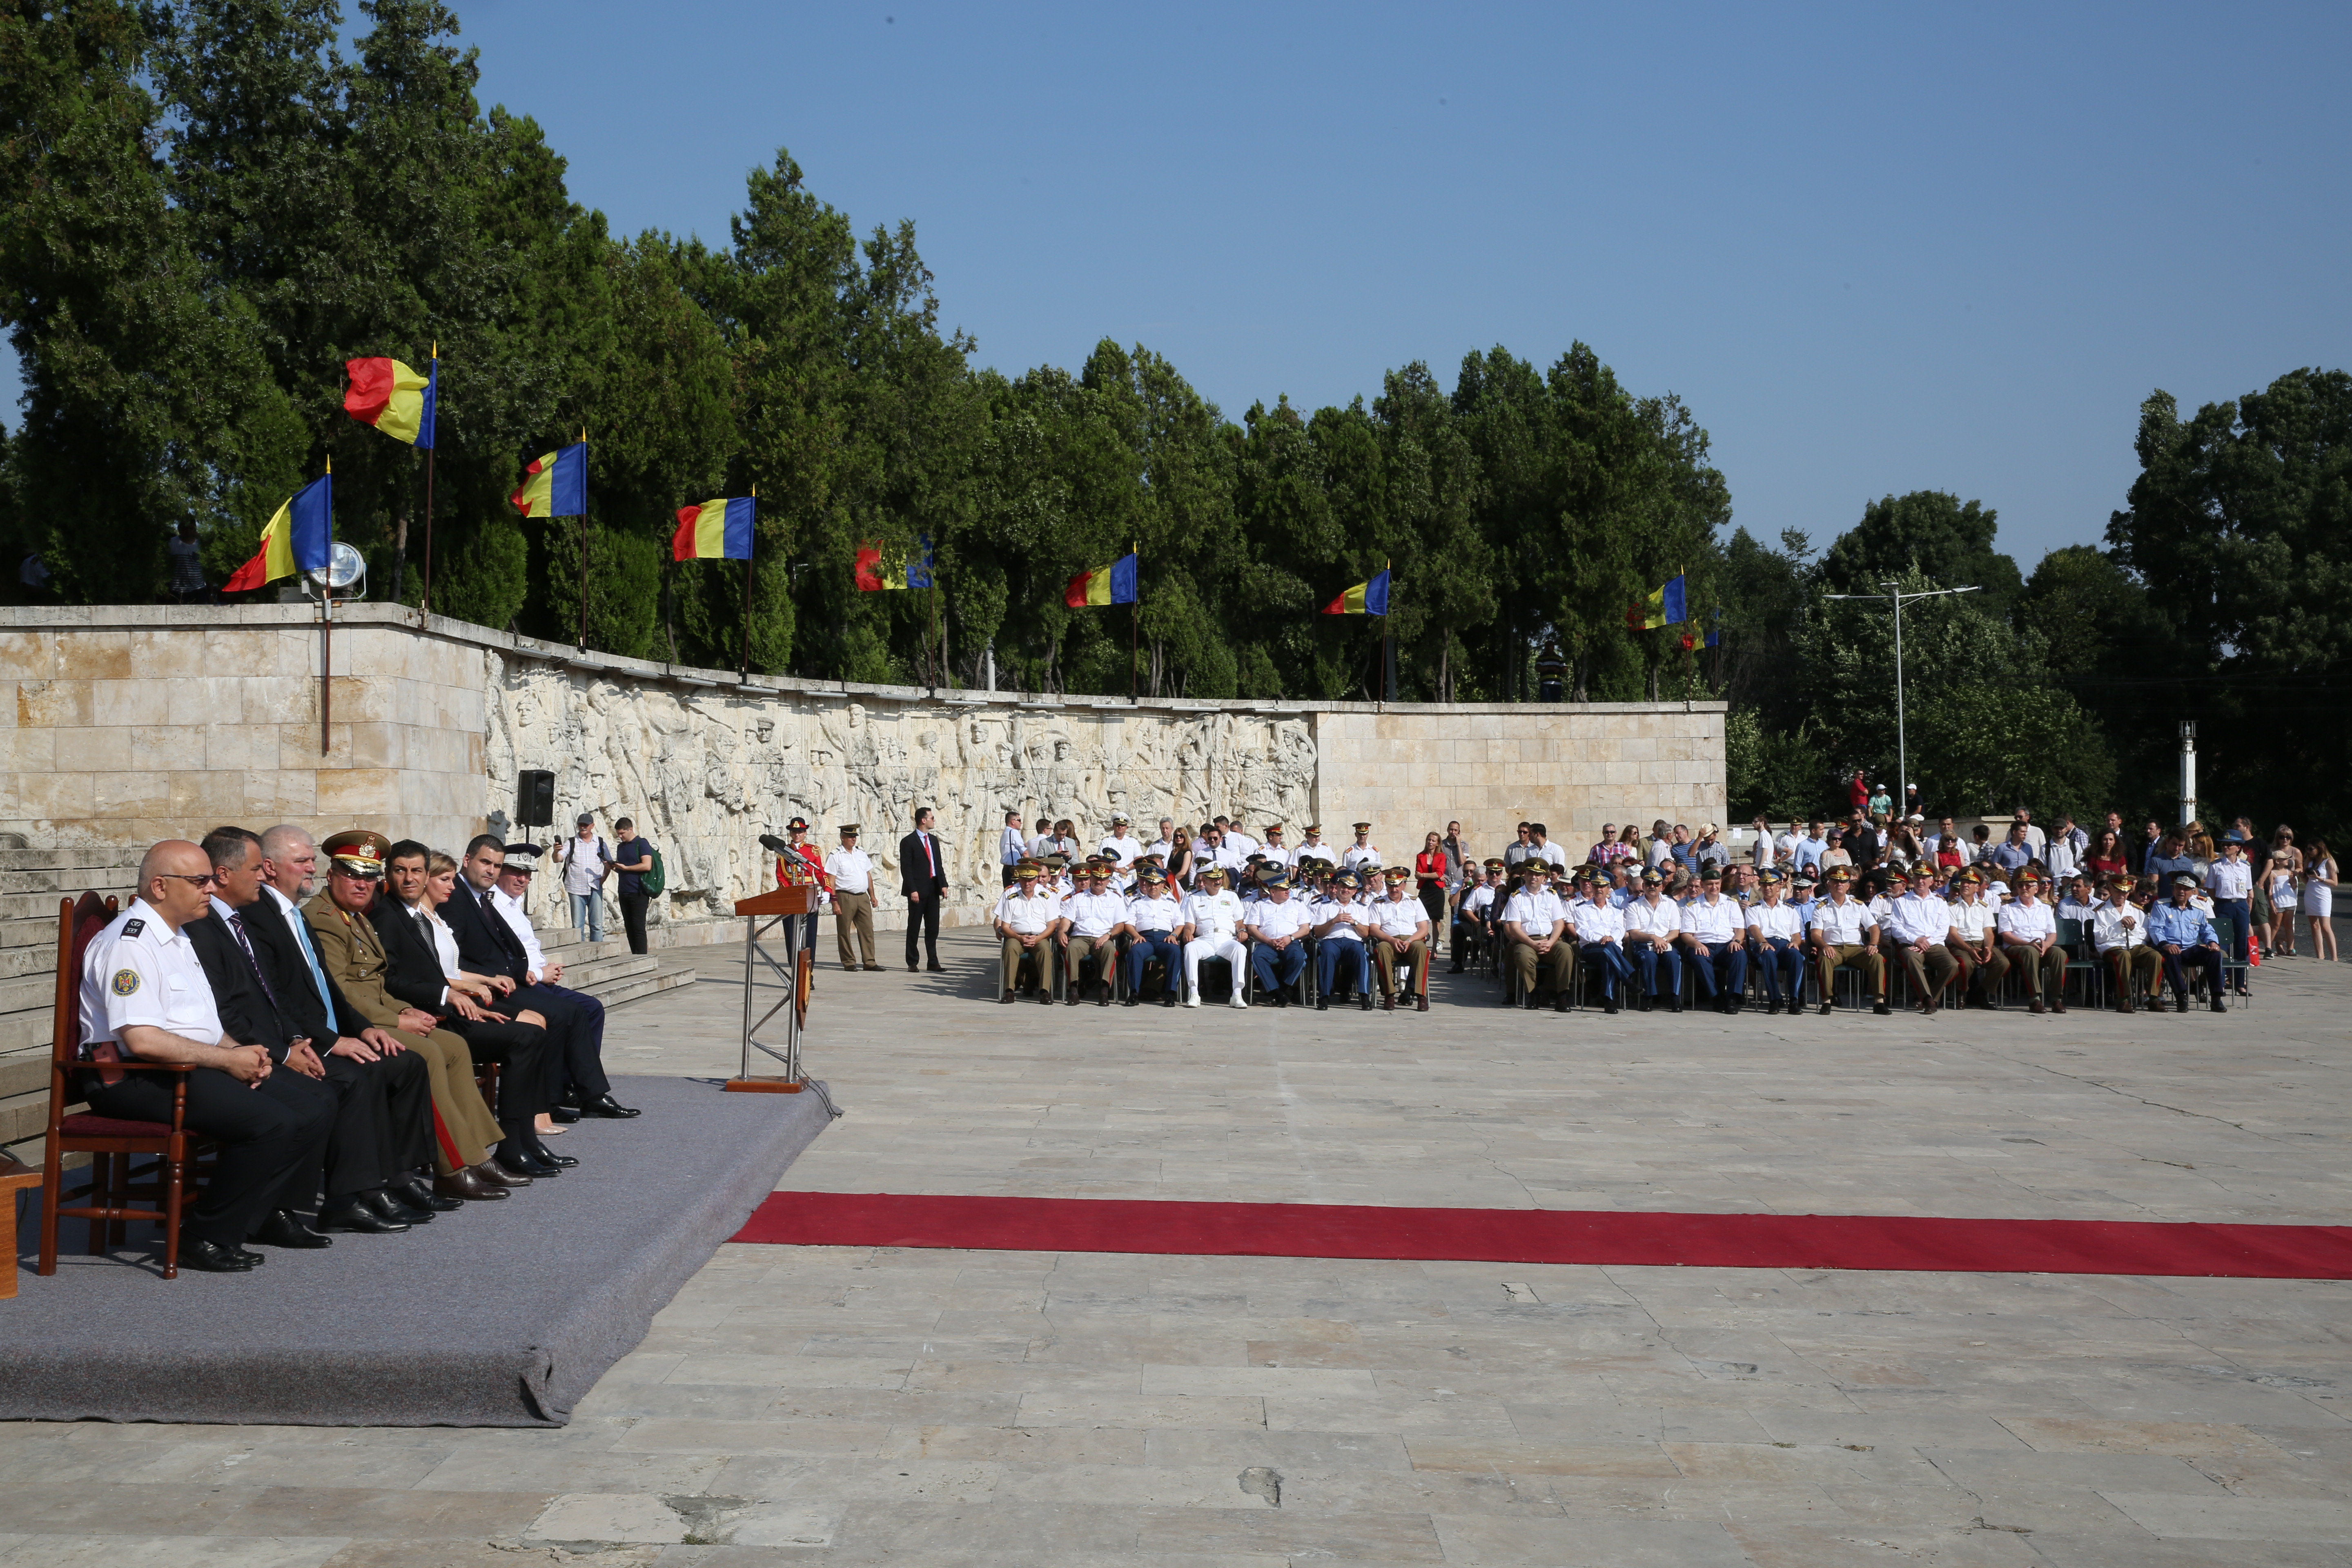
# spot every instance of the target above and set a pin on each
(2278, 887)
(2319, 899)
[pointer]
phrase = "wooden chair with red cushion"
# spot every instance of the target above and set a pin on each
(110, 1141)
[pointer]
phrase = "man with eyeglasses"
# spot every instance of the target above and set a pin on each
(146, 1005)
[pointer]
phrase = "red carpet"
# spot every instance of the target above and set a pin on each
(1546, 1236)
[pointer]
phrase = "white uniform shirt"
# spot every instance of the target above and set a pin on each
(1278, 855)
(1147, 912)
(1028, 914)
(1213, 915)
(1094, 914)
(2108, 930)
(1916, 915)
(1645, 919)
(1351, 912)
(1973, 919)
(1844, 924)
(1780, 919)
(1718, 921)
(1360, 855)
(140, 970)
(535, 957)
(1594, 921)
(852, 870)
(1287, 917)
(2028, 920)
(2231, 879)
(1475, 902)
(1241, 842)
(1126, 851)
(1398, 917)
(1535, 914)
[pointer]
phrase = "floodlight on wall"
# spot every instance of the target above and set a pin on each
(345, 567)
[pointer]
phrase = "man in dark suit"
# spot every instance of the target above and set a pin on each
(515, 1037)
(488, 945)
(362, 1192)
(923, 879)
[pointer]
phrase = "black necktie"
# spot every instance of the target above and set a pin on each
(237, 924)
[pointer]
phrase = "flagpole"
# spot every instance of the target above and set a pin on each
(743, 666)
(939, 653)
(427, 606)
(584, 539)
(1134, 643)
(326, 618)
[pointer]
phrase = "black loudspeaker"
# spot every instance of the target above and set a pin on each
(535, 798)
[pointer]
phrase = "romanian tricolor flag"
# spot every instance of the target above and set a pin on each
(296, 540)
(1364, 599)
(1663, 607)
(903, 570)
(556, 485)
(1111, 585)
(716, 530)
(394, 399)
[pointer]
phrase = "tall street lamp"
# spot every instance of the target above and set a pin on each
(1896, 596)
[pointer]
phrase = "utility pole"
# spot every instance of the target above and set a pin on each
(1896, 596)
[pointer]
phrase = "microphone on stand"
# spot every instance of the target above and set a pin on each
(773, 845)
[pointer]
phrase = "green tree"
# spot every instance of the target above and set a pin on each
(1949, 543)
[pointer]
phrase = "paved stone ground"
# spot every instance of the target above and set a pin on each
(855, 1405)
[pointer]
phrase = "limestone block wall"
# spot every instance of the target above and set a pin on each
(131, 723)
(1410, 768)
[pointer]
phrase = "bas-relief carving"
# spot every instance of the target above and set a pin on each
(706, 775)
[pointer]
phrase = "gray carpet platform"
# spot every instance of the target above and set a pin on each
(500, 1314)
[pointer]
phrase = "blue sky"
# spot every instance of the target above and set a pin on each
(1874, 249)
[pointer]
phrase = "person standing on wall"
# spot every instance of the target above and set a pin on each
(923, 879)
(586, 861)
(633, 858)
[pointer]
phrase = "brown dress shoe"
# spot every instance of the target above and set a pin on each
(2035, 1006)
(467, 1184)
(1421, 1005)
(498, 1176)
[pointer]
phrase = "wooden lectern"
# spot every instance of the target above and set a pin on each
(777, 911)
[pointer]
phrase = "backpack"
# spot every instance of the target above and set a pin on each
(652, 880)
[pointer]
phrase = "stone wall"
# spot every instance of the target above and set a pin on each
(133, 724)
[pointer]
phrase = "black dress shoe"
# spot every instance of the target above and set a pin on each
(935, 969)
(606, 1106)
(285, 1229)
(519, 1172)
(354, 1214)
(547, 1156)
(1364, 1002)
(385, 1204)
(1609, 1006)
(1006, 999)
(1130, 1002)
(418, 1194)
(1167, 998)
(1322, 1004)
(212, 1257)
(563, 1115)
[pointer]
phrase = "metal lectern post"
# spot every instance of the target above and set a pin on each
(762, 915)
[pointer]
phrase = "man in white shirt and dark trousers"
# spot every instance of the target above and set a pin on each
(1278, 933)
(1156, 916)
(1011, 847)
(1341, 922)
(2230, 881)
(1651, 923)
(586, 862)
(849, 878)
(144, 999)
(1714, 938)
(1600, 936)
(1776, 934)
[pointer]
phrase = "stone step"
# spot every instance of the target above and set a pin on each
(639, 986)
(42, 906)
